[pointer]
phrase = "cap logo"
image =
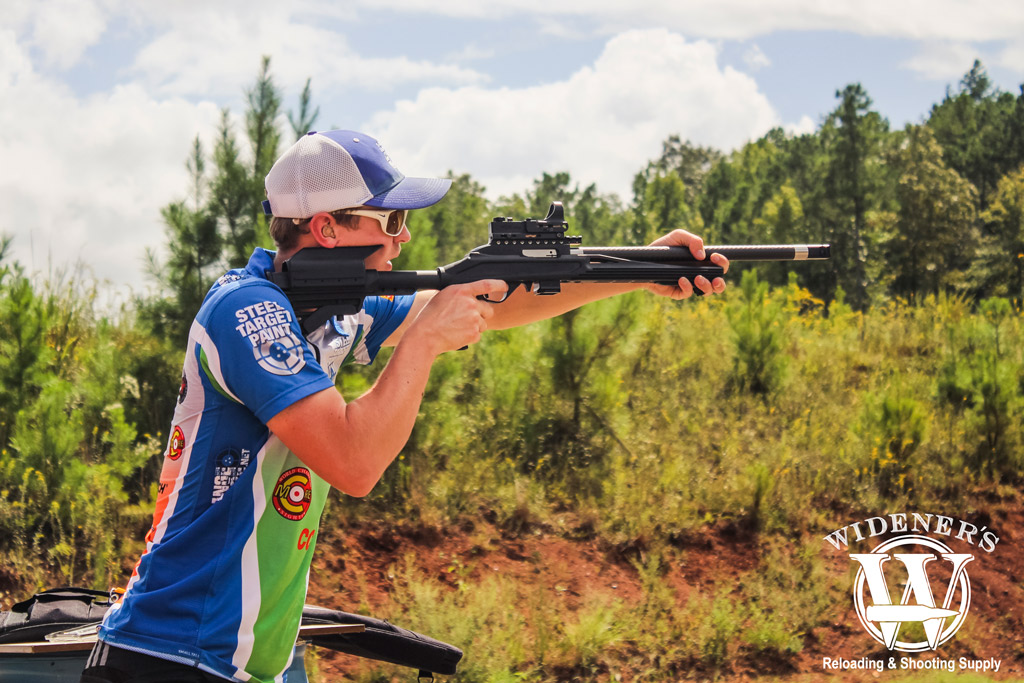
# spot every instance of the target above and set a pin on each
(385, 153)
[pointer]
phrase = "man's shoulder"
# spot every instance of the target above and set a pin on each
(241, 294)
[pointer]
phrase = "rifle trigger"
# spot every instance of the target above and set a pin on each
(508, 293)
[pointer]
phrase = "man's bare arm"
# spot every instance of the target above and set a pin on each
(351, 444)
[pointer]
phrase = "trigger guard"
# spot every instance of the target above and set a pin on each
(508, 293)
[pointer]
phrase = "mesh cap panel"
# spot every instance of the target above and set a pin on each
(315, 174)
(340, 169)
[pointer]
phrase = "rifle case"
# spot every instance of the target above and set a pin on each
(59, 609)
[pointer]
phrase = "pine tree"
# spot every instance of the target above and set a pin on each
(304, 121)
(936, 235)
(852, 139)
(1000, 264)
(241, 184)
(981, 130)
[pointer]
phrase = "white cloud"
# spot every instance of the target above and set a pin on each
(942, 61)
(214, 54)
(957, 20)
(60, 29)
(1012, 56)
(601, 124)
(205, 49)
(804, 126)
(85, 178)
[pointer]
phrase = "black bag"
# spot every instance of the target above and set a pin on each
(53, 610)
(384, 642)
(59, 609)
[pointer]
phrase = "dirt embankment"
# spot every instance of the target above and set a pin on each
(356, 568)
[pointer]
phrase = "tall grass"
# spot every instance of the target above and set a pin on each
(893, 407)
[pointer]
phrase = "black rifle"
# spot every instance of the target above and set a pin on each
(534, 253)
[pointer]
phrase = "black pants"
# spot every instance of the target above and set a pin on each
(113, 665)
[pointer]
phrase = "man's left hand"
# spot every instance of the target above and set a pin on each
(683, 289)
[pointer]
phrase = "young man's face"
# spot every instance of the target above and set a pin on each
(368, 231)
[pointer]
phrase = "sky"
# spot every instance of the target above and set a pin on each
(100, 99)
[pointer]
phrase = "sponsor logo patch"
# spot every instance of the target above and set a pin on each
(229, 467)
(293, 493)
(228, 277)
(268, 327)
(182, 390)
(177, 443)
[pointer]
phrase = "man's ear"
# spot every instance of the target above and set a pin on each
(324, 229)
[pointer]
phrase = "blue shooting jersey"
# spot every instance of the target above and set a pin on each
(223, 578)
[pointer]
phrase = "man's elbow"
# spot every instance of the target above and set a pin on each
(354, 480)
(357, 488)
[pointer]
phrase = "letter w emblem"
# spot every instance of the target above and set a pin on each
(917, 602)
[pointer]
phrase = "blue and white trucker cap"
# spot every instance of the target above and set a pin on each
(340, 169)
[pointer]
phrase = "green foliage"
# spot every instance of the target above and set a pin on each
(186, 275)
(444, 232)
(69, 458)
(303, 121)
(853, 138)
(999, 268)
(781, 218)
(934, 235)
(758, 362)
(980, 379)
(665, 208)
(716, 622)
(657, 636)
(691, 163)
(979, 128)
(790, 594)
(894, 426)
(597, 626)
(25, 358)
(738, 190)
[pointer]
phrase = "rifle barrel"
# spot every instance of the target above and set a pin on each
(749, 252)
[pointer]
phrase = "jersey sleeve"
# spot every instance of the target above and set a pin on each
(387, 313)
(252, 350)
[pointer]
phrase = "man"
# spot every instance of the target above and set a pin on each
(260, 433)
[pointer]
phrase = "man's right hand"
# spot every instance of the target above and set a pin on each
(455, 317)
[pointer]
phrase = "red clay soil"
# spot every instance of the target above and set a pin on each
(353, 564)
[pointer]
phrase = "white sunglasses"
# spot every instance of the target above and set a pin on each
(391, 220)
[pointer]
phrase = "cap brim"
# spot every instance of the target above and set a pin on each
(412, 193)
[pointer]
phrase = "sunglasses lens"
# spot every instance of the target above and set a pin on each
(396, 221)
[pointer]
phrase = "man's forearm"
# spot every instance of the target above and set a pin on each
(380, 421)
(351, 444)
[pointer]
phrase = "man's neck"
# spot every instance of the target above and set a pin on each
(305, 240)
(281, 257)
